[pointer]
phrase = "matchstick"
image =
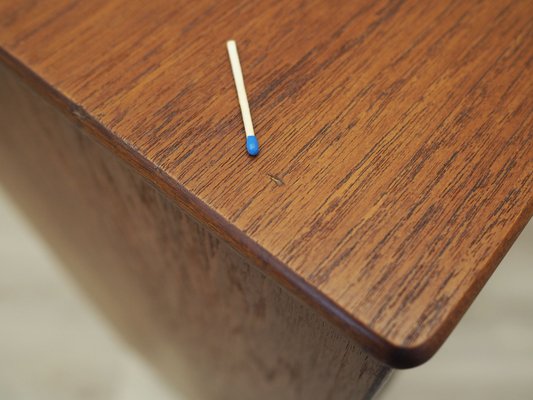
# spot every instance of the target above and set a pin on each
(252, 145)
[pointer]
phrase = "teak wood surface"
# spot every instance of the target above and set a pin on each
(396, 136)
(207, 319)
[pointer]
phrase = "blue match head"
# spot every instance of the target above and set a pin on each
(252, 145)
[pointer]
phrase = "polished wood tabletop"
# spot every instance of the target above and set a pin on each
(396, 137)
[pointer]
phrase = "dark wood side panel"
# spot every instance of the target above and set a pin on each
(205, 316)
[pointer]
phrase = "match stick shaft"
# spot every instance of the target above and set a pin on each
(239, 84)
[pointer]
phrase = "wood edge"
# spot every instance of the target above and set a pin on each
(414, 354)
(400, 356)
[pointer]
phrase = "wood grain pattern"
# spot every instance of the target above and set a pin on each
(396, 165)
(214, 325)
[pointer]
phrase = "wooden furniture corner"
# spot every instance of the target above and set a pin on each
(395, 172)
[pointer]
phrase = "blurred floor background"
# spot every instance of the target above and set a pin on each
(55, 345)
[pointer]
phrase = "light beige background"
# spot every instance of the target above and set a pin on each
(55, 346)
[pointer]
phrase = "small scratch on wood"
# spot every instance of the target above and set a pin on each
(79, 112)
(276, 180)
